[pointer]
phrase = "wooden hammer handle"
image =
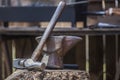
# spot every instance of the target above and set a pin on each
(116, 11)
(50, 27)
(113, 11)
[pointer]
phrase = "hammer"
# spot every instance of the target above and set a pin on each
(32, 63)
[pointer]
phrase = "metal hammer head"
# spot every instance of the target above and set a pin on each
(55, 49)
(28, 64)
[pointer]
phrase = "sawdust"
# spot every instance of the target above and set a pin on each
(53, 75)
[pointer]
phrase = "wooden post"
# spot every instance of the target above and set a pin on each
(95, 57)
(1, 61)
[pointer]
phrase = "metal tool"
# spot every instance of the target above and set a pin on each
(31, 63)
(55, 49)
(28, 64)
(107, 25)
(94, 13)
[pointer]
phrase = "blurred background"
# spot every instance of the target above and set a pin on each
(99, 51)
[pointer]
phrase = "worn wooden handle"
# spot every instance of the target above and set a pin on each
(113, 11)
(116, 11)
(50, 27)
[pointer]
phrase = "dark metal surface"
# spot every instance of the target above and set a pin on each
(33, 14)
(56, 48)
(94, 13)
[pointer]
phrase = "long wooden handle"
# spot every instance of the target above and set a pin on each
(116, 11)
(113, 11)
(50, 27)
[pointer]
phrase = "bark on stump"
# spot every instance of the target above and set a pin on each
(49, 75)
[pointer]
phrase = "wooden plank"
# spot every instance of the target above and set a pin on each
(6, 59)
(1, 61)
(96, 57)
(118, 46)
(25, 47)
(117, 74)
(9, 46)
(80, 56)
(110, 57)
(17, 32)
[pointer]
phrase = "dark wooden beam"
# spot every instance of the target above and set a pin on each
(17, 32)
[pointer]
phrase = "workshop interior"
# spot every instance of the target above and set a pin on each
(60, 39)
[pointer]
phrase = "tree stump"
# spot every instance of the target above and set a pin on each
(49, 75)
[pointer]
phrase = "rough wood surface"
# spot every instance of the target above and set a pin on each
(49, 75)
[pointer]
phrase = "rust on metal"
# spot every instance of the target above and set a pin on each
(55, 48)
